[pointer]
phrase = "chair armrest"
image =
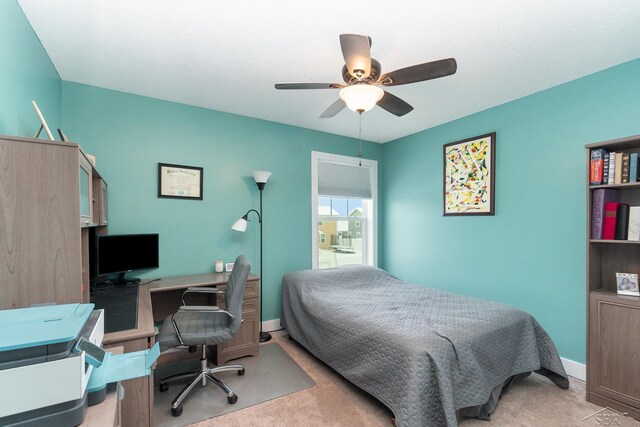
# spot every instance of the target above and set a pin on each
(204, 290)
(202, 308)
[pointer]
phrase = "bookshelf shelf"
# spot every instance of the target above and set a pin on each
(627, 299)
(613, 320)
(616, 242)
(626, 186)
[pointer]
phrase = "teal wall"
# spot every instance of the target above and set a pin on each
(531, 254)
(131, 134)
(26, 73)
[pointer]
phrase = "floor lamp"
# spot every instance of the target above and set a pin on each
(261, 178)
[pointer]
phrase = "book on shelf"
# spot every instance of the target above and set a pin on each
(622, 221)
(612, 168)
(600, 197)
(597, 166)
(625, 168)
(634, 223)
(633, 167)
(618, 175)
(609, 221)
(605, 169)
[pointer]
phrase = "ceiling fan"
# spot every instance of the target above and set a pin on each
(361, 74)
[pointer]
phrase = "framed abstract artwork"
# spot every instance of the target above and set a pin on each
(469, 176)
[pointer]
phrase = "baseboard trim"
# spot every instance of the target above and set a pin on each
(575, 369)
(271, 325)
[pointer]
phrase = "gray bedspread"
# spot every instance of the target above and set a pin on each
(428, 355)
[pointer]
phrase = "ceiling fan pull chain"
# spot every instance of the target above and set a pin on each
(360, 135)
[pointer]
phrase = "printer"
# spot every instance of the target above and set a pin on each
(52, 365)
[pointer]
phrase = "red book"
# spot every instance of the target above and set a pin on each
(609, 223)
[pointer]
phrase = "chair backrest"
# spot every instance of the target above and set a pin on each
(235, 290)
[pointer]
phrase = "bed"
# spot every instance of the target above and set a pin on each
(432, 357)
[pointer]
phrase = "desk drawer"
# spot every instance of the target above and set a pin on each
(249, 306)
(251, 290)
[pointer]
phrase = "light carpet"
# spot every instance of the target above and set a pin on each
(273, 374)
(334, 402)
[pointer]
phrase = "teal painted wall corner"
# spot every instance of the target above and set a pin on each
(531, 254)
(131, 134)
(26, 73)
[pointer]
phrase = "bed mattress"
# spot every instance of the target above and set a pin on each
(430, 356)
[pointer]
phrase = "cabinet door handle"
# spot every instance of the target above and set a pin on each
(242, 321)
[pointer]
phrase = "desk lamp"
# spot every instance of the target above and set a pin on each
(261, 178)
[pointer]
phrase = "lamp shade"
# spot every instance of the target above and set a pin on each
(361, 97)
(240, 225)
(261, 177)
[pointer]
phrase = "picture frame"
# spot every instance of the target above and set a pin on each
(469, 176)
(627, 284)
(180, 182)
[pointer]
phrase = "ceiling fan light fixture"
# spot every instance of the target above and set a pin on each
(361, 97)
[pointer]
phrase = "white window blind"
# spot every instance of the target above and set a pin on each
(344, 180)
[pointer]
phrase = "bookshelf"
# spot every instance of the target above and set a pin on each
(613, 321)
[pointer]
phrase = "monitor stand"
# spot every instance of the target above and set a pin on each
(121, 280)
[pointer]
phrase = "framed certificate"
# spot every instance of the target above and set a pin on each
(179, 182)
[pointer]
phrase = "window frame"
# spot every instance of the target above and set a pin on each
(369, 227)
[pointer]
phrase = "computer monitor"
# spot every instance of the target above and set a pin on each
(122, 253)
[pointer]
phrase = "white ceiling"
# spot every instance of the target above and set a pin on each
(228, 55)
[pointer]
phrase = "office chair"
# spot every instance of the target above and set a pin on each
(191, 326)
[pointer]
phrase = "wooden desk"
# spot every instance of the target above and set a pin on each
(158, 300)
(137, 406)
(167, 292)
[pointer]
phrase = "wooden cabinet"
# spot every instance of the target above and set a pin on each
(100, 200)
(40, 246)
(86, 190)
(104, 205)
(614, 362)
(613, 325)
(45, 189)
(247, 341)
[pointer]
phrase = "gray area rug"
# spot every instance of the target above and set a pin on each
(273, 374)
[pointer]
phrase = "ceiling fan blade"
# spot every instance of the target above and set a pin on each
(333, 109)
(394, 105)
(308, 86)
(420, 72)
(357, 54)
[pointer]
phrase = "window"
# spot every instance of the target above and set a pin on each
(344, 202)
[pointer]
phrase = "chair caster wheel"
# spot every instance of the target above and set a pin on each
(163, 387)
(176, 412)
(232, 399)
(241, 372)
